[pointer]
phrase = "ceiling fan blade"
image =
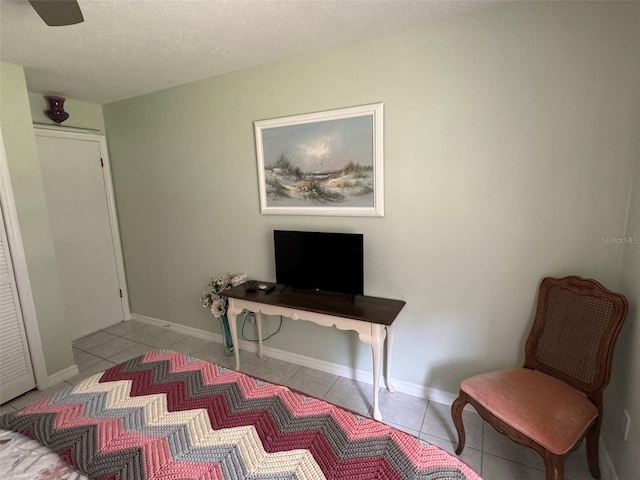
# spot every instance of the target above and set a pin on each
(57, 13)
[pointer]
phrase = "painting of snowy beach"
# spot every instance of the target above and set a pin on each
(327, 163)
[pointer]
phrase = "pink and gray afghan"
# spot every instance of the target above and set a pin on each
(167, 416)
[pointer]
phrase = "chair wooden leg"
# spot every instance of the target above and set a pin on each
(593, 453)
(456, 414)
(554, 466)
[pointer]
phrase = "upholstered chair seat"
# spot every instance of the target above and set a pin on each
(540, 407)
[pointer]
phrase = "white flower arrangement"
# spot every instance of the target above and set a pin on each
(211, 297)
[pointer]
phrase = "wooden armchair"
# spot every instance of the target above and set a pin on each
(555, 400)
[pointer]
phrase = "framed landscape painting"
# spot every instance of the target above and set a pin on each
(325, 163)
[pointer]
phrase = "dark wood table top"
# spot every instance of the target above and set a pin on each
(358, 307)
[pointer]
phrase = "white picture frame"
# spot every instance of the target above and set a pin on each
(323, 163)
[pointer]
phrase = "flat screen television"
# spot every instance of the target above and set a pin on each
(332, 262)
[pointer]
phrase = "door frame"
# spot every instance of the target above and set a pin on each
(21, 272)
(111, 205)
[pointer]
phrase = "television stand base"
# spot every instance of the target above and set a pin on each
(371, 317)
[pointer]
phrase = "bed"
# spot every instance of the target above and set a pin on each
(165, 415)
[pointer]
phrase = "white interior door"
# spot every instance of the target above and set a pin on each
(16, 372)
(73, 174)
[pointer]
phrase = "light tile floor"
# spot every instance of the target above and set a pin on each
(492, 455)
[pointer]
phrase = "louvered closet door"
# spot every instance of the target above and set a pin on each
(16, 372)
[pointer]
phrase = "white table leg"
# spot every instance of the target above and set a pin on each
(377, 342)
(232, 316)
(258, 315)
(390, 385)
(373, 334)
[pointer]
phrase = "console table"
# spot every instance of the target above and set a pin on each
(371, 317)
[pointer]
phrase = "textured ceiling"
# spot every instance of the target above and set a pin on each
(126, 48)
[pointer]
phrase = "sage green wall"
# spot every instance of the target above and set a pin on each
(81, 114)
(624, 390)
(509, 154)
(24, 168)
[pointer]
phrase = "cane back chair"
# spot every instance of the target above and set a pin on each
(555, 399)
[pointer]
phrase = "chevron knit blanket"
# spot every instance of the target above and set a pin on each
(167, 416)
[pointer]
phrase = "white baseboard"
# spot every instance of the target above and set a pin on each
(413, 389)
(61, 376)
(176, 327)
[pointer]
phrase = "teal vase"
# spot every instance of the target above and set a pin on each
(226, 335)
